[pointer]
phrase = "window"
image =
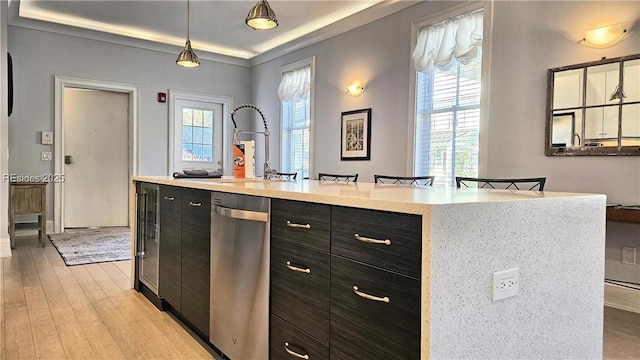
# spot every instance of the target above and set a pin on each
(447, 118)
(197, 134)
(296, 94)
(196, 137)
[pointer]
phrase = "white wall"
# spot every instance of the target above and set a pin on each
(377, 53)
(620, 235)
(529, 37)
(38, 56)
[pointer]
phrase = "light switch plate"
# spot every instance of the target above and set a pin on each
(47, 137)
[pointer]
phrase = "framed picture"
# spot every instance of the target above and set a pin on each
(356, 135)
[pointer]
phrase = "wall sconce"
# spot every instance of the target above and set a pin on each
(604, 36)
(356, 88)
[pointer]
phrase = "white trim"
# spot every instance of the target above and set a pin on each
(375, 12)
(5, 247)
(62, 82)
(485, 91)
(227, 106)
(620, 297)
(311, 61)
(22, 22)
(486, 76)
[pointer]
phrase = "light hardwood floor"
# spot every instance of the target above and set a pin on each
(51, 311)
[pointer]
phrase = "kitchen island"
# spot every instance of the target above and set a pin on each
(554, 240)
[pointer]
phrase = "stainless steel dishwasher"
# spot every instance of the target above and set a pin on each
(239, 316)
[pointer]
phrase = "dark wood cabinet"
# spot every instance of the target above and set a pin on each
(185, 231)
(303, 223)
(170, 273)
(288, 342)
(360, 298)
(299, 278)
(196, 245)
(359, 234)
(300, 287)
(375, 314)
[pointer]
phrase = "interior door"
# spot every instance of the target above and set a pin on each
(96, 149)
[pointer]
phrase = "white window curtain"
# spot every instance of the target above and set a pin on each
(441, 45)
(295, 84)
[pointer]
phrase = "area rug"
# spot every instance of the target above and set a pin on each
(87, 246)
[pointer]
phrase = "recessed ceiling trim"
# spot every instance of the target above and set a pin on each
(373, 13)
(27, 15)
(27, 10)
(16, 21)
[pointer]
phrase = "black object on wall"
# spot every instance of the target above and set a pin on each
(10, 83)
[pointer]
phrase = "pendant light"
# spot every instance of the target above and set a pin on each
(261, 16)
(187, 57)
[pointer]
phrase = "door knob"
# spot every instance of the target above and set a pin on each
(67, 159)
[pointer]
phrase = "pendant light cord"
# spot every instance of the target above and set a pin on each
(188, 12)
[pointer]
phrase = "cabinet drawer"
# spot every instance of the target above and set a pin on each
(282, 333)
(404, 231)
(301, 298)
(301, 222)
(364, 328)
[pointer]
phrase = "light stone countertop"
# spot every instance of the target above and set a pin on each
(396, 198)
(555, 239)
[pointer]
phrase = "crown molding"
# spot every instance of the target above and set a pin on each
(356, 20)
(16, 20)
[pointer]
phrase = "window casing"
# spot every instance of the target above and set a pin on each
(447, 122)
(296, 118)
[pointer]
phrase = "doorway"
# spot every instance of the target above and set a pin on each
(95, 152)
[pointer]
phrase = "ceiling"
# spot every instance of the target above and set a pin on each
(216, 27)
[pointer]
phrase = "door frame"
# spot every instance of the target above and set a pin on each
(62, 82)
(227, 106)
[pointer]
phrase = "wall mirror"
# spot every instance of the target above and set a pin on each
(594, 108)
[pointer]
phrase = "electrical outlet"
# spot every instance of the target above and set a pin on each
(628, 255)
(506, 284)
(45, 156)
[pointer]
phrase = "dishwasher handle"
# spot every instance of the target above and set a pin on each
(242, 214)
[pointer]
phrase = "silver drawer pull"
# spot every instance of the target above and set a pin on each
(305, 226)
(191, 203)
(293, 353)
(372, 241)
(298, 269)
(370, 297)
(170, 198)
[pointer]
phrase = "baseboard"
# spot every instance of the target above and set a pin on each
(5, 247)
(622, 298)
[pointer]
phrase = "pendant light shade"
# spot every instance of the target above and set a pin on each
(187, 57)
(261, 16)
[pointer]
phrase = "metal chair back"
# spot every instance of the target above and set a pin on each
(338, 177)
(404, 180)
(536, 183)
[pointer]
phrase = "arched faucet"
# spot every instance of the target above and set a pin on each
(269, 172)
